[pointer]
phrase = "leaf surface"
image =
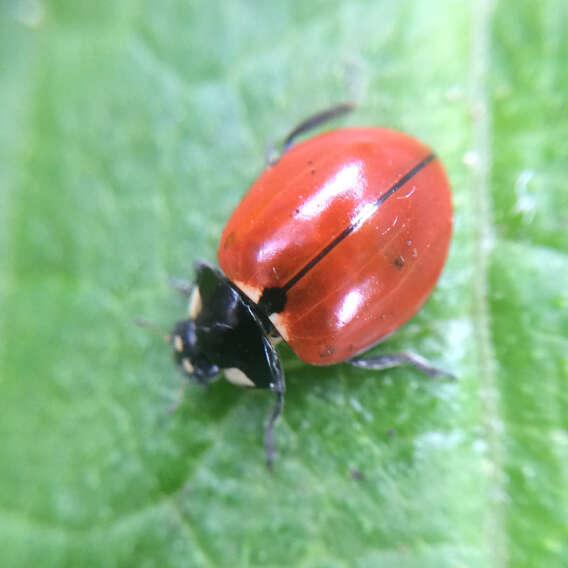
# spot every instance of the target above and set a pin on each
(128, 133)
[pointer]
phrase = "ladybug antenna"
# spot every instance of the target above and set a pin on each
(155, 328)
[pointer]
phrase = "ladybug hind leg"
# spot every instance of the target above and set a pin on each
(389, 360)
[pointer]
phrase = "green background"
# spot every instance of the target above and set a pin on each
(128, 132)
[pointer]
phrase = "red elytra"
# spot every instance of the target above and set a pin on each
(353, 227)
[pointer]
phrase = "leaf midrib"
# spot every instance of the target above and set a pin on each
(494, 522)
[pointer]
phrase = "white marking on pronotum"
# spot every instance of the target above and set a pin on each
(187, 366)
(195, 303)
(178, 343)
(274, 339)
(237, 377)
(252, 292)
(279, 324)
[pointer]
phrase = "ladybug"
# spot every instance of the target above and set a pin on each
(336, 245)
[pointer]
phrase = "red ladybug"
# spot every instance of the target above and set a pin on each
(333, 248)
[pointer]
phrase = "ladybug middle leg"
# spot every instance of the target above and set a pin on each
(314, 121)
(306, 125)
(389, 360)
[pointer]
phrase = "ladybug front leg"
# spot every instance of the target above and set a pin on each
(271, 420)
(389, 360)
(183, 286)
(179, 396)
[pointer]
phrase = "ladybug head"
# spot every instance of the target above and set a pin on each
(224, 332)
(188, 353)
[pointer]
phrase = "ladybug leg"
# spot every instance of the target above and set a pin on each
(179, 397)
(306, 125)
(186, 288)
(203, 382)
(314, 121)
(271, 155)
(271, 420)
(389, 360)
(155, 328)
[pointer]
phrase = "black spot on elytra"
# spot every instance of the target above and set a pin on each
(399, 261)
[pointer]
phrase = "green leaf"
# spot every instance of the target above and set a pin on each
(128, 132)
